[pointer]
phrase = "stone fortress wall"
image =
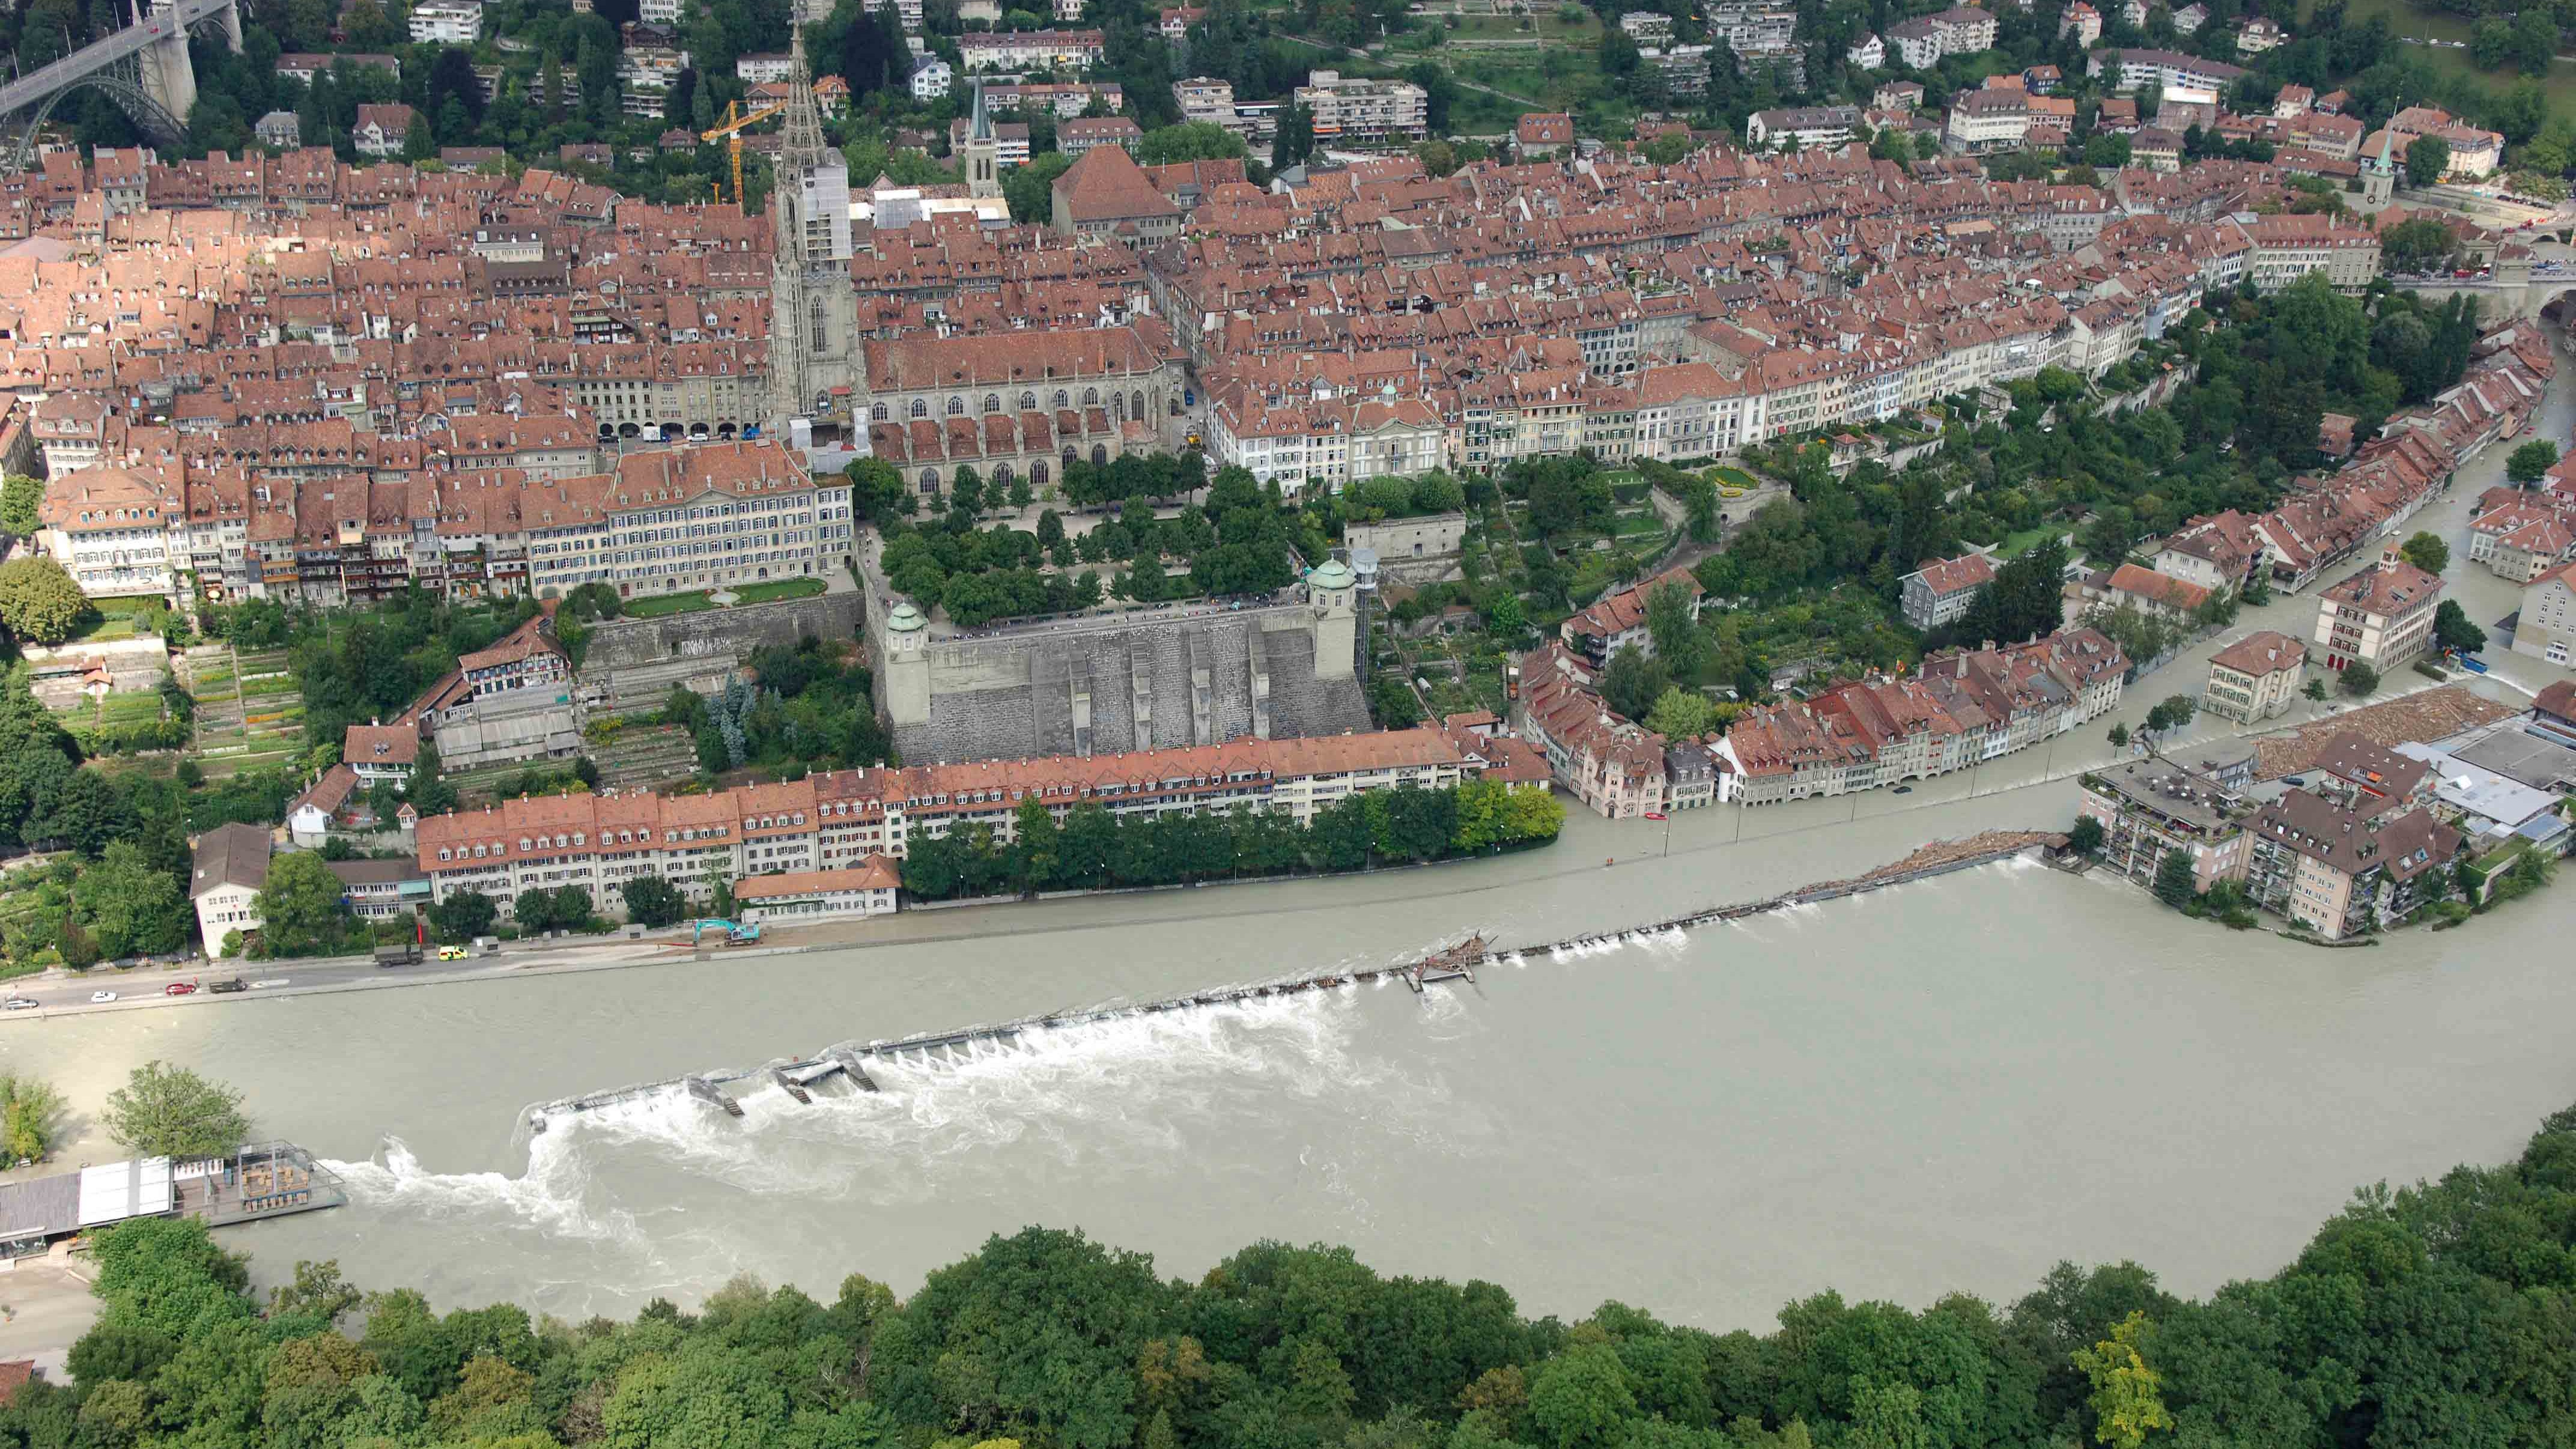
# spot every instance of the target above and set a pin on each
(1186, 674)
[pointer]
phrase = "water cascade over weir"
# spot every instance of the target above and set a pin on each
(848, 1062)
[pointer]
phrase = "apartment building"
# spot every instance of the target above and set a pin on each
(2255, 678)
(2522, 535)
(1614, 765)
(794, 897)
(687, 518)
(1960, 710)
(1983, 121)
(228, 869)
(110, 529)
(2165, 70)
(2339, 871)
(840, 823)
(1353, 111)
(2475, 152)
(1940, 592)
(2381, 616)
(2288, 247)
(1040, 50)
(2546, 627)
(2149, 809)
(1810, 127)
(1618, 621)
(446, 22)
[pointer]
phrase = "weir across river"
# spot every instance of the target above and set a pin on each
(848, 1061)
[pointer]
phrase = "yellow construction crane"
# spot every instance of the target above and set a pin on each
(731, 132)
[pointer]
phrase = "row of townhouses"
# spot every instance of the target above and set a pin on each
(790, 844)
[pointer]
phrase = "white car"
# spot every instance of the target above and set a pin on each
(100, 998)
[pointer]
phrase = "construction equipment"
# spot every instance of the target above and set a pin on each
(731, 133)
(735, 933)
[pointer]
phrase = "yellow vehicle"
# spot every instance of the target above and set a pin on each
(451, 953)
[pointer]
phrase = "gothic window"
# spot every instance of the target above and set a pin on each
(1136, 406)
(956, 406)
(1099, 456)
(1060, 399)
(1002, 475)
(929, 480)
(1038, 474)
(1091, 397)
(1118, 406)
(992, 404)
(877, 413)
(822, 334)
(920, 409)
(1028, 400)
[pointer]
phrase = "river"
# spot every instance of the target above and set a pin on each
(1949, 1085)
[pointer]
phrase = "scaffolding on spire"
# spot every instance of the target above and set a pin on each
(801, 144)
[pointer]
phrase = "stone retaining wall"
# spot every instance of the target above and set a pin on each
(631, 664)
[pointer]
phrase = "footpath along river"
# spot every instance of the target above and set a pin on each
(1948, 1085)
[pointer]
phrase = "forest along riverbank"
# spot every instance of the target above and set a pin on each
(846, 1064)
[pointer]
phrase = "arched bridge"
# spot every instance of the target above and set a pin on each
(143, 68)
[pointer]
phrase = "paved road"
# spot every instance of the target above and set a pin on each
(143, 987)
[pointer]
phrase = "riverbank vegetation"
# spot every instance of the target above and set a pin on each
(2434, 1314)
(1093, 849)
(167, 1111)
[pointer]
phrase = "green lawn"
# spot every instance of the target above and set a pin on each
(2411, 20)
(661, 604)
(104, 628)
(1731, 477)
(2015, 545)
(777, 589)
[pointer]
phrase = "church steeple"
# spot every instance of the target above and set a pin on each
(813, 310)
(983, 151)
(801, 143)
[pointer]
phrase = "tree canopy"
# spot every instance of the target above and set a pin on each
(39, 602)
(2435, 1314)
(167, 1111)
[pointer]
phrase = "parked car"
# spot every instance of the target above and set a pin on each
(101, 998)
(180, 988)
(22, 1003)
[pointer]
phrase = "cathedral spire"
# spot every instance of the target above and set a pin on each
(983, 151)
(801, 144)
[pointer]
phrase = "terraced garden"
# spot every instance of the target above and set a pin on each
(249, 711)
(634, 757)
